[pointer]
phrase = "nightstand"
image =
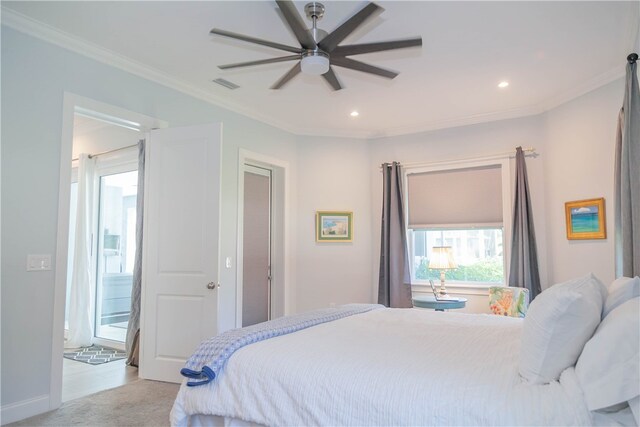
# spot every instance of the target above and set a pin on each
(429, 301)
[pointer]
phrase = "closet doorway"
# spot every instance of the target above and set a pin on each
(256, 272)
(262, 229)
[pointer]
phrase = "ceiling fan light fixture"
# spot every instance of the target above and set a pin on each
(319, 51)
(315, 64)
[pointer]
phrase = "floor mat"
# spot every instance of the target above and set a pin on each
(95, 355)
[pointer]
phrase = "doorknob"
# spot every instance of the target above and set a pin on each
(212, 285)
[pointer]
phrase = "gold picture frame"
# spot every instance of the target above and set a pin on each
(585, 219)
(334, 226)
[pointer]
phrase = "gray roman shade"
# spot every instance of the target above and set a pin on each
(458, 197)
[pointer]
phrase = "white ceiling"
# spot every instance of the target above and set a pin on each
(549, 52)
(94, 136)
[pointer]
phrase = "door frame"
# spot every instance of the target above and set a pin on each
(281, 298)
(73, 103)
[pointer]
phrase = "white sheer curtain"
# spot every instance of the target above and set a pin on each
(80, 322)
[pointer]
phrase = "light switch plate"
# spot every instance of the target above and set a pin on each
(39, 262)
(227, 262)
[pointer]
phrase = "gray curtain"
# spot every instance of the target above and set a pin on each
(523, 271)
(627, 179)
(133, 330)
(394, 288)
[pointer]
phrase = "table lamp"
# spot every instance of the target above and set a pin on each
(442, 259)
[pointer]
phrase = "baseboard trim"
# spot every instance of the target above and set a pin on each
(24, 409)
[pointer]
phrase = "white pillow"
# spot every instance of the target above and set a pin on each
(608, 369)
(634, 404)
(620, 291)
(559, 322)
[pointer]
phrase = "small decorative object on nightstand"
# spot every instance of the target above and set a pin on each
(438, 301)
(442, 259)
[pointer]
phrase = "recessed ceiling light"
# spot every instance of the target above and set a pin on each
(504, 84)
(354, 113)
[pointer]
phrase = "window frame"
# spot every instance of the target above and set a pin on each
(109, 164)
(505, 169)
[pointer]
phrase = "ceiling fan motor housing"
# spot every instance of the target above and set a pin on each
(315, 61)
(314, 10)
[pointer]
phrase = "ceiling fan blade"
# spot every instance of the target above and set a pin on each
(255, 40)
(332, 79)
(296, 24)
(357, 49)
(361, 66)
(290, 74)
(336, 36)
(260, 62)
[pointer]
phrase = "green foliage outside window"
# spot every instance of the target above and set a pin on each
(488, 270)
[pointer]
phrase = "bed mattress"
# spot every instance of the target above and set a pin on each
(386, 367)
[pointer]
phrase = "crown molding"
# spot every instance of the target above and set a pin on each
(591, 85)
(459, 122)
(47, 33)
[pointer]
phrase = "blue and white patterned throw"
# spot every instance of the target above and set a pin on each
(207, 361)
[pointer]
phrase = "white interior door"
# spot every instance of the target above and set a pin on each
(180, 248)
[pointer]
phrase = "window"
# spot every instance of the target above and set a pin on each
(478, 253)
(116, 253)
(461, 206)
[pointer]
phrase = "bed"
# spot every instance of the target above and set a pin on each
(389, 367)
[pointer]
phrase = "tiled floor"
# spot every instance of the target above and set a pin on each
(81, 379)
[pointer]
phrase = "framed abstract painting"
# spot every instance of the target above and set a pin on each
(334, 226)
(585, 219)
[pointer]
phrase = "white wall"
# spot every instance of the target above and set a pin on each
(333, 175)
(579, 165)
(35, 76)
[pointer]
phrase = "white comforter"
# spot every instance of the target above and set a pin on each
(387, 367)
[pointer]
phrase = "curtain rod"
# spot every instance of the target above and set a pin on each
(108, 151)
(529, 152)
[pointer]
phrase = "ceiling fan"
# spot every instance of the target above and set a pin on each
(319, 50)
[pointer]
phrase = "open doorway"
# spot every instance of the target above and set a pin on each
(97, 205)
(112, 150)
(102, 212)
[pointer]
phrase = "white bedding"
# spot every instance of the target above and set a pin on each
(387, 367)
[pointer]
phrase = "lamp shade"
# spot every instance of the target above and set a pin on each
(442, 258)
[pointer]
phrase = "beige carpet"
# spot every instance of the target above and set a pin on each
(140, 403)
